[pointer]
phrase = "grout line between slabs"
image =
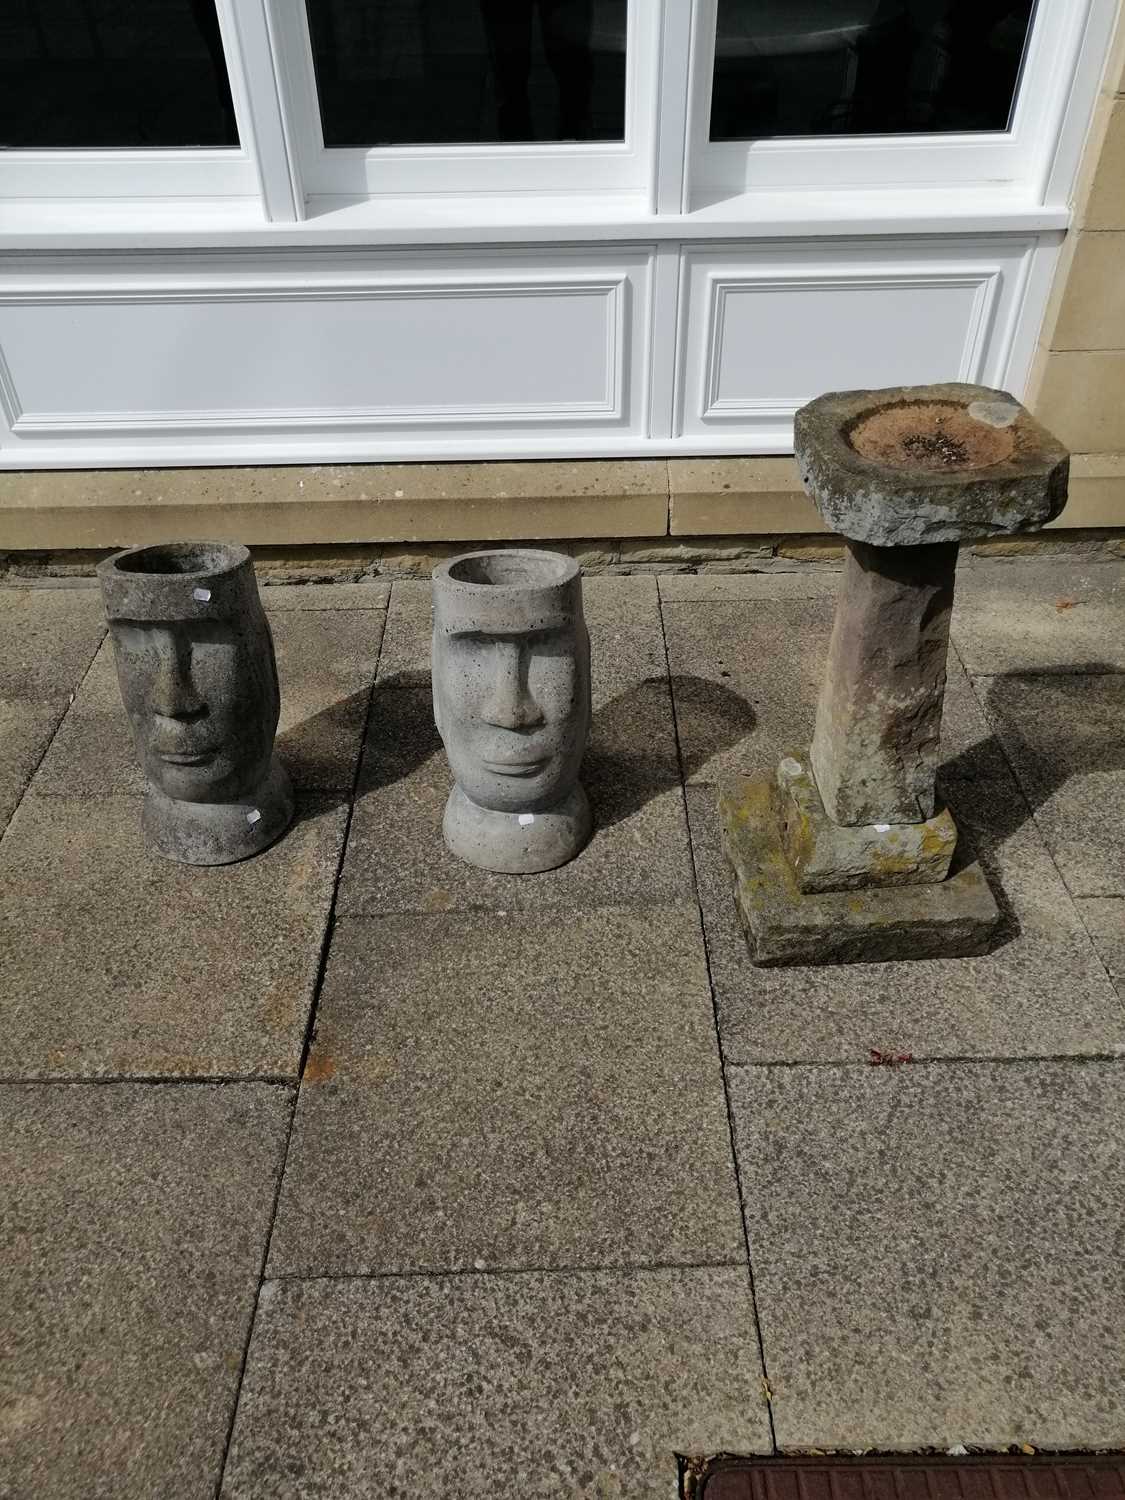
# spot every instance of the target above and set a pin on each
(440, 1273)
(310, 1028)
(749, 1262)
(961, 1059)
(71, 698)
(291, 1081)
(1013, 771)
(152, 1080)
(1023, 672)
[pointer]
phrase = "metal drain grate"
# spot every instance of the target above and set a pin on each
(1044, 1477)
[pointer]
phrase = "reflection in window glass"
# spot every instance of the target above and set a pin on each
(865, 67)
(105, 73)
(456, 72)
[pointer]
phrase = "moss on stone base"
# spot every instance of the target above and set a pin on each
(784, 926)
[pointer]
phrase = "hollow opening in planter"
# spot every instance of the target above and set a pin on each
(938, 436)
(511, 570)
(179, 558)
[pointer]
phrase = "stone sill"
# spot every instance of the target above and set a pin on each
(422, 503)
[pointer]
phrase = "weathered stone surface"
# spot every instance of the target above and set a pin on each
(406, 658)
(116, 963)
(134, 1222)
(326, 662)
(557, 1101)
(1105, 922)
(745, 677)
(366, 593)
(937, 1252)
(583, 1384)
(1041, 991)
(711, 588)
(1059, 616)
(826, 857)
(196, 665)
(511, 686)
(622, 614)
(785, 926)
(921, 464)
(331, 505)
(717, 496)
(49, 638)
(877, 739)
(397, 860)
(1065, 737)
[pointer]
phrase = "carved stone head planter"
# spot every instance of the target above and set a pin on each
(196, 666)
(511, 675)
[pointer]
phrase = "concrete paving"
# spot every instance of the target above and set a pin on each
(351, 1171)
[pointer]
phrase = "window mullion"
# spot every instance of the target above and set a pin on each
(254, 65)
(670, 185)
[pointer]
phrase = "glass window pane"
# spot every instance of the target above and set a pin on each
(102, 73)
(457, 72)
(865, 67)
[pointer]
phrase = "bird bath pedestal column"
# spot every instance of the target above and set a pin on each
(848, 854)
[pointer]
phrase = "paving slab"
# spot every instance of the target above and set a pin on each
(1063, 735)
(135, 1219)
(405, 658)
(368, 593)
(710, 588)
(114, 963)
(397, 861)
(511, 1091)
(49, 638)
(583, 1384)
(1042, 993)
(1105, 922)
(937, 1252)
(1050, 616)
(746, 677)
(326, 662)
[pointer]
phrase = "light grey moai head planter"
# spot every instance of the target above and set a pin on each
(511, 676)
(847, 856)
(196, 666)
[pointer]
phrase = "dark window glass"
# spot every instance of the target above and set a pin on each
(865, 67)
(457, 72)
(104, 73)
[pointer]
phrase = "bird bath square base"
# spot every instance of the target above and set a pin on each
(952, 918)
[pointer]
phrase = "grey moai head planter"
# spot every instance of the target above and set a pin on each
(511, 676)
(196, 666)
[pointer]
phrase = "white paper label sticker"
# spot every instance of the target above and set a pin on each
(254, 816)
(201, 596)
(526, 818)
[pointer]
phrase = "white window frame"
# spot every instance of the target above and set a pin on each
(666, 179)
(255, 170)
(1012, 162)
(587, 167)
